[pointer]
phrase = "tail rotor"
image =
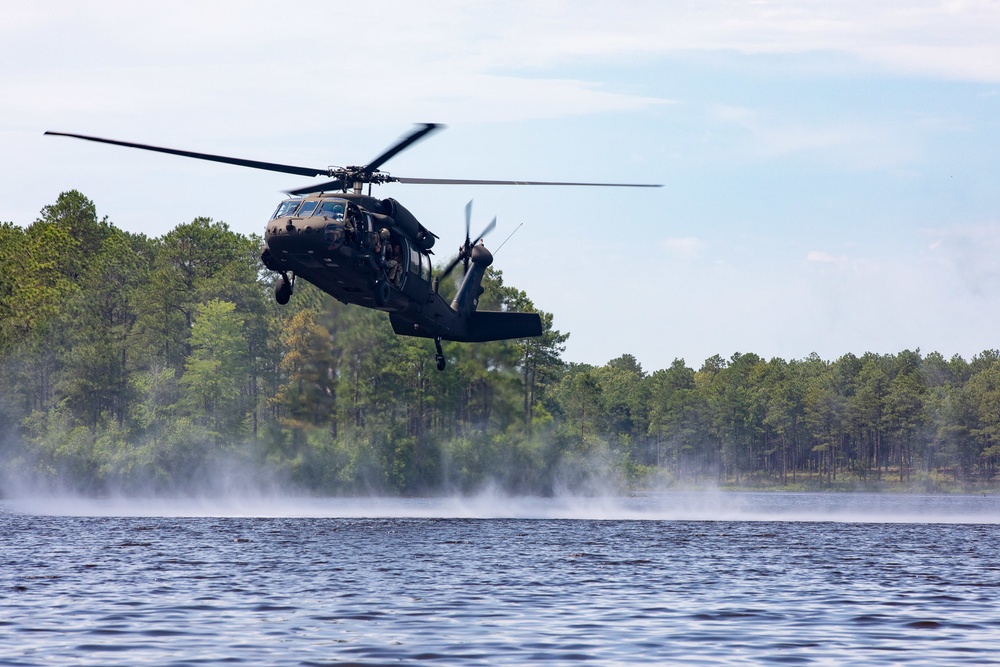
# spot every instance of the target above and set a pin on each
(465, 250)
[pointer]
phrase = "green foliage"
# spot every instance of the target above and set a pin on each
(144, 364)
(216, 370)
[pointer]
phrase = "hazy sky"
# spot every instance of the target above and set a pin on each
(831, 170)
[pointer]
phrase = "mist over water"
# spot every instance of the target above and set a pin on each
(703, 505)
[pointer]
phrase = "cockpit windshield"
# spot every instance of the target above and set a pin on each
(332, 209)
(286, 208)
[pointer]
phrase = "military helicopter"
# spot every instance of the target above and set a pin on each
(373, 252)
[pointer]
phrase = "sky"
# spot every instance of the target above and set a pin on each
(830, 170)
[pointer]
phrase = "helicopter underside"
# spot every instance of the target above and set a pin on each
(348, 276)
(353, 277)
(344, 274)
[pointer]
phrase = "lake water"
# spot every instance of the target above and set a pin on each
(661, 579)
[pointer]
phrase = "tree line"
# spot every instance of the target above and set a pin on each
(154, 364)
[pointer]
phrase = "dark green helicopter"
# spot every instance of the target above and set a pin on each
(375, 253)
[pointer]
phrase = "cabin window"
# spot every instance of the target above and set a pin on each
(307, 208)
(414, 260)
(425, 267)
(331, 209)
(286, 208)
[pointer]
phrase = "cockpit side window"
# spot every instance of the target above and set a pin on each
(286, 208)
(331, 209)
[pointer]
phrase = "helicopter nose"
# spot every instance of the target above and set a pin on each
(291, 236)
(288, 235)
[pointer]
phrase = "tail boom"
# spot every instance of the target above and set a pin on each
(479, 327)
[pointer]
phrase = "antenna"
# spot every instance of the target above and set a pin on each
(508, 238)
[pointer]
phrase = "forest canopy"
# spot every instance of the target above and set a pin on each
(149, 365)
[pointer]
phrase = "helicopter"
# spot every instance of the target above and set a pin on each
(375, 253)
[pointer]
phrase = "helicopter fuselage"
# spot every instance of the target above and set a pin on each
(374, 253)
(336, 242)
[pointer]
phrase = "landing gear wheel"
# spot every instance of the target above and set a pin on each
(282, 289)
(439, 357)
(381, 292)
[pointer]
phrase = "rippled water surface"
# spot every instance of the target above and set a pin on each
(775, 578)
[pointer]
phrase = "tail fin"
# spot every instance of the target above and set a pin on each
(467, 297)
(463, 322)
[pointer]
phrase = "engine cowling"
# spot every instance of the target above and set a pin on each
(408, 224)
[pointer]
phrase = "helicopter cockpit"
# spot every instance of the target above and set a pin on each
(331, 209)
(334, 212)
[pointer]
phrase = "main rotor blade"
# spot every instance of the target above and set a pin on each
(448, 269)
(326, 186)
(489, 228)
(465, 181)
(254, 164)
(402, 145)
(468, 222)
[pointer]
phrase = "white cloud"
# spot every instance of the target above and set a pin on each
(945, 38)
(683, 248)
(864, 145)
(449, 51)
(823, 257)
